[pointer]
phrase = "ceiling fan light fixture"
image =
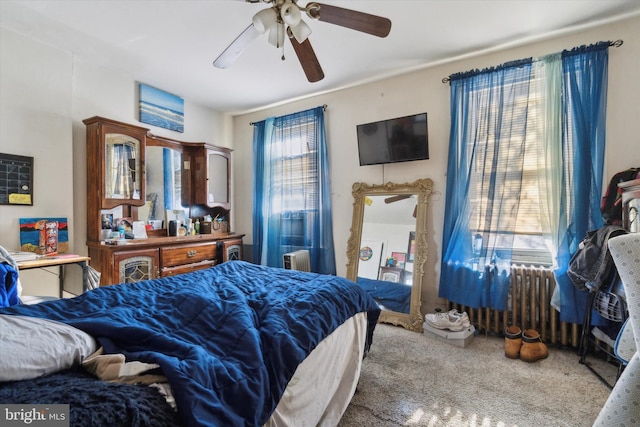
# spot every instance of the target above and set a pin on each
(301, 31)
(265, 20)
(290, 13)
(276, 35)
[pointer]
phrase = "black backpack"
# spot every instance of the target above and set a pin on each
(591, 265)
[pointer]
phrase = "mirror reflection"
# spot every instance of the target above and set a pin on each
(388, 247)
(164, 182)
(122, 155)
(218, 172)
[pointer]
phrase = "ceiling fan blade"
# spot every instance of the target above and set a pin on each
(359, 21)
(233, 51)
(307, 57)
(397, 198)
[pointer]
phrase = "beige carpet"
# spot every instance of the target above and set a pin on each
(411, 380)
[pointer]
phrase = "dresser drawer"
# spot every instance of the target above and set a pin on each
(172, 271)
(172, 256)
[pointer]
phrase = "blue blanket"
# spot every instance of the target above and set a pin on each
(392, 296)
(228, 338)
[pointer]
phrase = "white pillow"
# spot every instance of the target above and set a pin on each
(32, 347)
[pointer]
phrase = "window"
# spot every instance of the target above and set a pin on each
(292, 195)
(295, 174)
(521, 174)
(295, 182)
(524, 173)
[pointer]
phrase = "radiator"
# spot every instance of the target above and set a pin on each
(528, 306)
(297, 260)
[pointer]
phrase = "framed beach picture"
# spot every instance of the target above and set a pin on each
(160, 108)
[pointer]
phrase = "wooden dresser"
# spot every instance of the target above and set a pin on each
(162, 256)
(136, 177)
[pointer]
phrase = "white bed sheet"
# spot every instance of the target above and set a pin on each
(324, 383)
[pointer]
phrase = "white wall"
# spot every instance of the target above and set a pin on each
(45, 95)
(422, 91)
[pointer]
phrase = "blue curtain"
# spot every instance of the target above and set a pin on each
(488, 126)
(167, 178)
(482, 114)
(292, 195)
(258, 173)
(584, 92)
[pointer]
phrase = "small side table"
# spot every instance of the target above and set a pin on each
(60, 261)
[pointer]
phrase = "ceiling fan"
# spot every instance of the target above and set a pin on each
(284, 17)
(399, 197)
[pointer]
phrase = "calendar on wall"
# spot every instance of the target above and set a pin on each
(16, 180)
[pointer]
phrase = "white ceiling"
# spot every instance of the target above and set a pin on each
(170, 44)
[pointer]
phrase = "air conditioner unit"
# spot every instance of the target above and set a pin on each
(297, 260)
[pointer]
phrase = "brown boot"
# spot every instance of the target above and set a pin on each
(532, 346)
(512, 342)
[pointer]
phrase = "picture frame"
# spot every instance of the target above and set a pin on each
(106, 219)
(31, 230)
(411, 250)
(160, 108)
(16, 180)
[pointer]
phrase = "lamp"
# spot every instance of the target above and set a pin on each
(264, 20)
(290, 14)
(276, 34)
(301, 31)
(275, 19)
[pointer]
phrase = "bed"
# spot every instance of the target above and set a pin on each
(389, 295)
(239, 344)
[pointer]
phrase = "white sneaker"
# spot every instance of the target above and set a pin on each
(452, 320)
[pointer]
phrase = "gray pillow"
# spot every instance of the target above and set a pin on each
(32, 347)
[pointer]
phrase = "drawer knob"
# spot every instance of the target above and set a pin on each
(191, 254)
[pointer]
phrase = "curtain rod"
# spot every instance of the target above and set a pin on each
(324, 108)
(616, 43)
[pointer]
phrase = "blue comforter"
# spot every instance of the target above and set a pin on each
(392, 296)
(228, 338)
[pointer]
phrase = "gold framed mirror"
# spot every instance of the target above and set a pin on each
(387, 249)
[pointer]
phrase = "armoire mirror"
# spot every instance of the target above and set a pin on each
(218, 178)
(387, 248)
(122, 167)
(163, 178)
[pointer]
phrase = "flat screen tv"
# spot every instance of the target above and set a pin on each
(395, 140)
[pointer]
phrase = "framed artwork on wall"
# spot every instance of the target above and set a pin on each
(160, 108)
(32, 231)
